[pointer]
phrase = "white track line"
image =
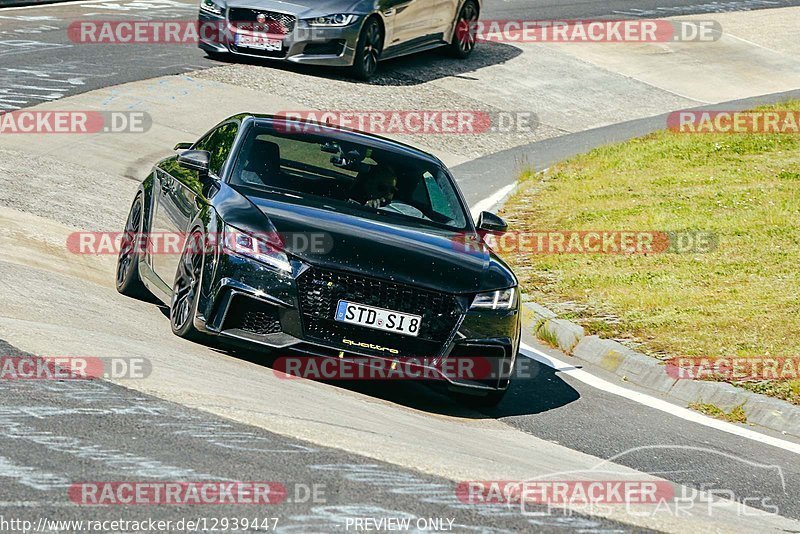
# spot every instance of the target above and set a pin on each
(488, 203)
(655, 403)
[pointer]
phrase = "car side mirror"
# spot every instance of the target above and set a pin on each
(489, 222)
(195, 160)
(183, 146)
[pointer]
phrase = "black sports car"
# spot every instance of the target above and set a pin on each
(322, 241)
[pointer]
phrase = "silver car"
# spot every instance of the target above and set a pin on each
(344, 33)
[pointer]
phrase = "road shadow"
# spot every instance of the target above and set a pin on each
(536, 389)
(529, 396)
(410, 70)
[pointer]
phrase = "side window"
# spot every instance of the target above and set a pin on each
(440, 203)
(219, 143)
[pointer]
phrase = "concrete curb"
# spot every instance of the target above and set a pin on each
(650, 373)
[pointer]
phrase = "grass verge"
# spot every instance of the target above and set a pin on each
(736, 415)
(741, 299)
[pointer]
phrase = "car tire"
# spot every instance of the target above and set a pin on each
(128, 282)
(186, 289)
(368, 50)
(464, 37)
(489, 399)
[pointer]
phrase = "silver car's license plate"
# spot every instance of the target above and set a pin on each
(258, 42)
(378, 318)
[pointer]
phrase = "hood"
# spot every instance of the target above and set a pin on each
(308, 8)
(418, 256)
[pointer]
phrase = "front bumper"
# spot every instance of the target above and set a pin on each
(335, 47)
(245, 301)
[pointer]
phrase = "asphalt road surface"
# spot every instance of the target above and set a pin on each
(55, 435)
(39, 63)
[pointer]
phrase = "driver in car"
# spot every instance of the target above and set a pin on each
(375, 188)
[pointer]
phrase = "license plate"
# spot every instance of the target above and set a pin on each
(258, 42)
(378, 318)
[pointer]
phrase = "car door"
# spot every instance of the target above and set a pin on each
(407, 20)
(444, 13)
(181, 193)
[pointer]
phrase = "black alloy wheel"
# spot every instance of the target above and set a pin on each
(186, 290)
(368, 50)
(128, 281)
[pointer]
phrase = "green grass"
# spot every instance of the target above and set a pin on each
(736, 415)
(546, 335)
(742, 299)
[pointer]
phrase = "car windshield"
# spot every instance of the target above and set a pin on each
(357, 179)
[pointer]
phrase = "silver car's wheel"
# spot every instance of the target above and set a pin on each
(464, 37)
(368, 50)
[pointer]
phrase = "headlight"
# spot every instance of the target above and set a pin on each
(244, 244)
(340, 19)
(502, 299)
(211, 7)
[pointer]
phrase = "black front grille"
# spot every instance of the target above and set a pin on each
(273, 23)
(328, 48)
(252, 316)
(321, 290)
